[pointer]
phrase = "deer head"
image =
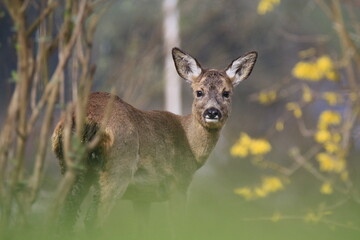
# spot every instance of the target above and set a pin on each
(212, 88)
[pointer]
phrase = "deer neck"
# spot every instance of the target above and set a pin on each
(201, 140)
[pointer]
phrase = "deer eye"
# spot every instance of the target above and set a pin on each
(199, 93)
(226, 94)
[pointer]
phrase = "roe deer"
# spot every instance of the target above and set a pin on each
(148, 156)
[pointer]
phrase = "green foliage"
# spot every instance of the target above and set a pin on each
(14, 77)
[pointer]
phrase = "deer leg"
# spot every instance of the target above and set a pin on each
(91, 214)
(115, 176)
(177, 215)
(75, 197)
(113, 184)
(142, 212)
(109, 195)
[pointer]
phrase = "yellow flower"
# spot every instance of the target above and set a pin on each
(322, 136)
(329, 164)
(245, 146)
(268, 185)
(295, 108)
(244, 192)
(324, 64)
(306, 71)
(307, 94)
(332, 76)
(331, 98)
(259, 147)
(245, 139)
(239, 150)
(272, 184)
(259, 192)
(326, 162)
(298, 113)
(266, 6)
(326, 188)
(279, 126)
(311, 217)
(315, 217)
(315, 70)
(331, 147)
(241, 147)
(329, 118)
(267, 97)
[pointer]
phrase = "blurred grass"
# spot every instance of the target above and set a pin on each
(213, 216)
(223, 218)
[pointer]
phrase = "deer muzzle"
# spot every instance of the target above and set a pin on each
(212, 115)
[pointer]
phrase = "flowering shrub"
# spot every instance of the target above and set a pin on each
(330, 157)
(249, 146)
(329, 87)
(267, 186)
(320, 68)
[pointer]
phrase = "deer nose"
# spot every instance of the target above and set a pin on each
(212, 115)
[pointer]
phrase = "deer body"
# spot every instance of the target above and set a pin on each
(149, 156)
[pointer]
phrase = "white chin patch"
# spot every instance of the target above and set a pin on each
(211, 120)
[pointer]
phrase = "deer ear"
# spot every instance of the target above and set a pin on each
(240, 68)
(186, 66)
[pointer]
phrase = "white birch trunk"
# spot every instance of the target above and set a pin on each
(171, 39)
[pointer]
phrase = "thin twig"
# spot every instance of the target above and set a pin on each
(311, 169)
(42, 16)
(43, 143)
(319, 219)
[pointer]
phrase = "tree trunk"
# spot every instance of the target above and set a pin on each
(171, 39)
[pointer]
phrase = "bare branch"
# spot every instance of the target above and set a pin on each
(347, 42)
(311, 169)
(43, 143)
(42, 16)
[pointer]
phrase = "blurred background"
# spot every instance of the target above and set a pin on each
(232, 196)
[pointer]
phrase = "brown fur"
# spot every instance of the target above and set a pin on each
(147, 156)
